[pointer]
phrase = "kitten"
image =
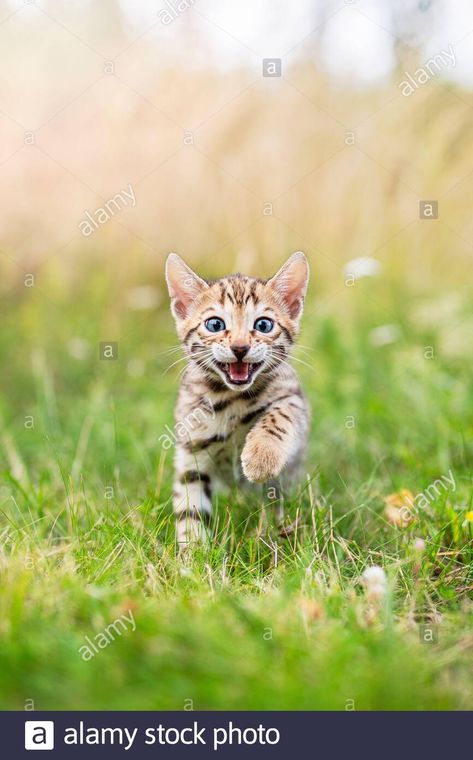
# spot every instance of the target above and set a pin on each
(240, 409)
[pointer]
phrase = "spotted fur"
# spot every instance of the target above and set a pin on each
(253, 428)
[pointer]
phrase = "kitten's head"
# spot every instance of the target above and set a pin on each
(238, 327)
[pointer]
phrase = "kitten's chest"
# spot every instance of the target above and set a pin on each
(227, 463)
(232, 426)
(229, 428)
(207, 417)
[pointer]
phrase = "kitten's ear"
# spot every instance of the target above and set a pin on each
(290, 283)
(184, 285)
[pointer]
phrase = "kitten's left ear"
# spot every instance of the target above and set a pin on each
(184, 285)
(290, 283)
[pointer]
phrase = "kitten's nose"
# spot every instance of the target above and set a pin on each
(240, 351)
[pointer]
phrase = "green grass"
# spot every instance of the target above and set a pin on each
(255, 620)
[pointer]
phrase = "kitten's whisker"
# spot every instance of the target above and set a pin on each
(282, 358)
(311, 367)
(301, 361)
(170, 350)
(197, 354)
(304, 351)
(178, 361)
(181, 371)
(301, 345)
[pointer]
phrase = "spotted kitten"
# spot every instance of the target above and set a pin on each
(240, 408)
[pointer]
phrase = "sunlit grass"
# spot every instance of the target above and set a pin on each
(256, 619)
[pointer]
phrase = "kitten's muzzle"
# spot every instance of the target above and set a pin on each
(240, 351)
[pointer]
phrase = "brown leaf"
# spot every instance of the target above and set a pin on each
(311, 609)
(398, 508)
(289, 529)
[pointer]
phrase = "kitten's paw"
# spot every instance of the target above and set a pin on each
(261, 459)
(190, 531)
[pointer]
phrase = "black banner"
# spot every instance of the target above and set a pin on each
(235, 734)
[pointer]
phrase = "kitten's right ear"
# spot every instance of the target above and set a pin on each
(184, 285)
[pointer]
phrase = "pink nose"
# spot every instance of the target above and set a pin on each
(240, 351)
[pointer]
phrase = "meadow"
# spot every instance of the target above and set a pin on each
(270, 615)
(263, 618)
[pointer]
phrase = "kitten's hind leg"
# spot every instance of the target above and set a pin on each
(192, 506)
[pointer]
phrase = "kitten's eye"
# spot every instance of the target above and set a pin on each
(264, 325)
(215, 324)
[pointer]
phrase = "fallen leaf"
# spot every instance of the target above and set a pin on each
(288, 529)
(310, 609)
(398, 508)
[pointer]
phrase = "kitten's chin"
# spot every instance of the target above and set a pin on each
(238, 375)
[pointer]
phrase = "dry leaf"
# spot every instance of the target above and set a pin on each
(310, 609)
(398, 508)
(289, 529)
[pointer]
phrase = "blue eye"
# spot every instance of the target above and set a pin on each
(264, 325)
(215, 324)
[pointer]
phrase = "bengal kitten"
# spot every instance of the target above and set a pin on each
(240, 408)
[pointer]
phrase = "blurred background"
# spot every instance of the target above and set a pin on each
(233, 134)
(170, 96)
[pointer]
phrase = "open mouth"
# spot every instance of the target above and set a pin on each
(239, 373)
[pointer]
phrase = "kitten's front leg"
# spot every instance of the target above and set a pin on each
(275, 439)
(191, 499)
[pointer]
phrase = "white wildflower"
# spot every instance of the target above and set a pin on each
(375, 582)
(384, 335)
(78, 348)
(419, 545)
(364, 266)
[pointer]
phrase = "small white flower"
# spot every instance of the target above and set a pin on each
(375, 581)
(143, 297)
(384, 335)
(374, 574)
(364, 266)
(78, 348)
(419, 545)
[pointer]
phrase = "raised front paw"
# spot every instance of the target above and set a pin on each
(261, 459)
